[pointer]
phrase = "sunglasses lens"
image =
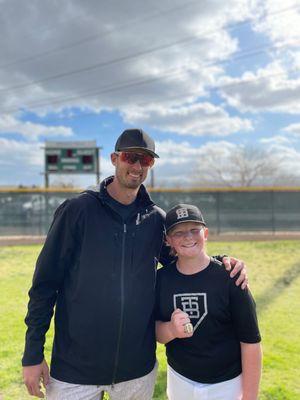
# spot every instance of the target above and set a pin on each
(146, 160)
(131, 158)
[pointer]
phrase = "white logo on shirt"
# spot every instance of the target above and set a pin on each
(194, 304)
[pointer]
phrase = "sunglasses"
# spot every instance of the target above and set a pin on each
(131, 158)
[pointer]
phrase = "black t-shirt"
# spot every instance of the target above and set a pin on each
(124, 210)
(223, 315)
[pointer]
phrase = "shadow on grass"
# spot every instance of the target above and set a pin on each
(278, 287)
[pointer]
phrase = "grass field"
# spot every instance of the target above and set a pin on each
(273, 267)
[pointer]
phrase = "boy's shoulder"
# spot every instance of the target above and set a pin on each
(217, 266)
(215, 262)
(220, 272)
(166, 270)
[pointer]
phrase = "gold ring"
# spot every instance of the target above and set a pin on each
(188, 328)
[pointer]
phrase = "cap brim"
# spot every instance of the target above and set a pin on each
(140, 148)
(187, 220)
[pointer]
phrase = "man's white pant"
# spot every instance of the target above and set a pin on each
(135, 389)
(181, 388)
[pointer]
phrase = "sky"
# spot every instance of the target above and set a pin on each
(201, 77)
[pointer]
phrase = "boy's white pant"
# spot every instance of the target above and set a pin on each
(135, 389)
(181, 388)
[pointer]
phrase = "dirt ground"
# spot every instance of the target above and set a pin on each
(238, 236)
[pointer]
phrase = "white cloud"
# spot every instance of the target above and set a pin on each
(20, 154)
(269, 89)
(288, 156)
(296, 59)
(171, 151)
(20, 162)
(275, 86)
(107, 168)
(177, 163)
(293, 129)
(30, 130)
(276, 140)
(126, 53)
(195, 119)
(279, 21)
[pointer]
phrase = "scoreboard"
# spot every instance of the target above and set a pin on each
(80, 157)
(71, 157)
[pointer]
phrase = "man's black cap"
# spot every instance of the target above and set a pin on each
(183, 213)
(136, 139)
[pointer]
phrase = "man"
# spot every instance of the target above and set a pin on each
(98, 267)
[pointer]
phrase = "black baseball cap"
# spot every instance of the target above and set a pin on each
(136, 139)
(183, 213)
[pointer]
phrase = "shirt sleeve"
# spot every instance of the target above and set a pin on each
(48, 277)
(243, 312)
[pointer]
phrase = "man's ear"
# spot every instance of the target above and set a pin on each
(113, 158)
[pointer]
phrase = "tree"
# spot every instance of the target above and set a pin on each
(242, 166)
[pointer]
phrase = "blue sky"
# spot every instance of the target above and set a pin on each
(201, 77)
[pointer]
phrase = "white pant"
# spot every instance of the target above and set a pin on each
(181, 388)
(135, 389)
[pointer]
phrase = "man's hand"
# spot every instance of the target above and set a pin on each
(178, 320)
(33, 375)
(238, 267)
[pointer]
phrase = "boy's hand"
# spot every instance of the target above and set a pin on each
(33, 375)
(238, 267)
(178, 320)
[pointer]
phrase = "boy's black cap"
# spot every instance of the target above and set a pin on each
(136, 139)
(183, 213)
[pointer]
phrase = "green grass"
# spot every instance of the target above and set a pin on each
(273, 268)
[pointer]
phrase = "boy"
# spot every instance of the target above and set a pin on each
(208, 324)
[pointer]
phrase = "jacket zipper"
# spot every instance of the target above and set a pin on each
(122, 305)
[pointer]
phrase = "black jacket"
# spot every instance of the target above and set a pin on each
(100, 273)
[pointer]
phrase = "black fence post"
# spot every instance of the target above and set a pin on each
(273, 211)
(218, 212)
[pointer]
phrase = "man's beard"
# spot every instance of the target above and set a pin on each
(128, 183)
(133, 185)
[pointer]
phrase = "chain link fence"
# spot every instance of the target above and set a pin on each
(30, 213)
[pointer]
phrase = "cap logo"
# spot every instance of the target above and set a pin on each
(182, 213)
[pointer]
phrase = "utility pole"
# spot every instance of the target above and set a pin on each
(152, 178)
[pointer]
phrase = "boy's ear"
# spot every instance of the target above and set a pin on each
(168, 240)
(172, 250)
(205, 233)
